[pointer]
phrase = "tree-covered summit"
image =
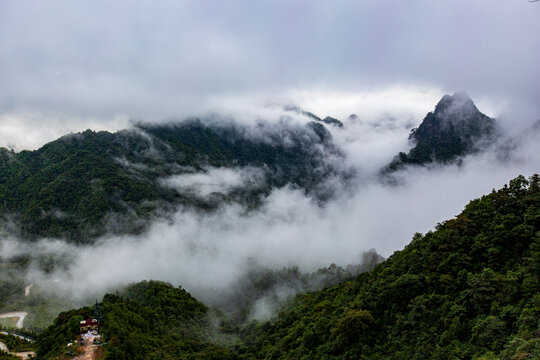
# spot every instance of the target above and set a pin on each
(83, 185)
(147, 320)
(454, 129)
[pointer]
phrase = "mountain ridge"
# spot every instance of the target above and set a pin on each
(83, 185)
(71, 185)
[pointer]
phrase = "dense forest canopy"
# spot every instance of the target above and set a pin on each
(468, 289)
(83, 185)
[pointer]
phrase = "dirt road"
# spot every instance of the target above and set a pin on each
(22, 355)
(89, 351)
(27, 290)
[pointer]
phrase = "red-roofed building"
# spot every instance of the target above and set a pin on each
(88, 324)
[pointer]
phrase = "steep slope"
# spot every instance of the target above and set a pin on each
(468, 289)
(85, 184)
(454, 129)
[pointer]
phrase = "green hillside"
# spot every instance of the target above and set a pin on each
(148, 320)
(466, 290)
(83, 185)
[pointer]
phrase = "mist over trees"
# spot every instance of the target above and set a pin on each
(467, 289)
(83, 185)
(270, 179)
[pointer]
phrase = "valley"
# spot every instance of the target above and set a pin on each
(474, 280)
(164, 191)
(269, 180)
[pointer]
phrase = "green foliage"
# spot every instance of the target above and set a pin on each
(148, 320)
(8, 323)
(53, 340)
(6, 356)
(276, 287)
(469, 289)
(489, 333)
(84, 184)
(11, 284)
(351, 328)
(42, 306)
(16, 344)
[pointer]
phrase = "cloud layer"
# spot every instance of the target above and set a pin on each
(70, 65)
(206, 253)
(100, 59)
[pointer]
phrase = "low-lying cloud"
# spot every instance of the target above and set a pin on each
(214, 180)
(207, 252)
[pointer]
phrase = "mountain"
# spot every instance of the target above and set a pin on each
(454, 129)
(85, 184)
(469, 289)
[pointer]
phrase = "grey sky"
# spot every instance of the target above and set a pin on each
(157, 59)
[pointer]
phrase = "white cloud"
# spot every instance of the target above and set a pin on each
(159, 60)
(206, 252)
(214, 180)
(29, 131)
(70, 65)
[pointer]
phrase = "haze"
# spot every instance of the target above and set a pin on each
(75, 64)
(66, 66)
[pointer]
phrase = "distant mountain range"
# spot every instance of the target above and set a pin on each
(327, 120)
(83, 185)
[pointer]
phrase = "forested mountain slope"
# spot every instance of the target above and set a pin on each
(148, 320)
(85, 184)
(468, 289)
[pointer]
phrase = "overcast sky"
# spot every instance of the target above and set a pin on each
(98, 63)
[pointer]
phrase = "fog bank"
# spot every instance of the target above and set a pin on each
(208, 252)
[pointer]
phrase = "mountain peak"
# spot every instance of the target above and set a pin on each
(459, 102)
(454, 115)
(454, 129)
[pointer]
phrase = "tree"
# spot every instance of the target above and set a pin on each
(352, 326)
